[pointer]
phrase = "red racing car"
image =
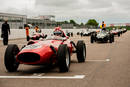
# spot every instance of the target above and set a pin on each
(52, 50)
(37, 36)
(116, 32)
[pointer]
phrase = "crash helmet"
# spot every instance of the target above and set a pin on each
(58, 31)
(57, 28)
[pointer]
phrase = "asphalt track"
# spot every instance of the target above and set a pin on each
(107, 65)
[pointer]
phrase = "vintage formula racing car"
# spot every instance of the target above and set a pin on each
(116, 32)
(102, 36)
(52, 50)
(86, 33)
(37, 36)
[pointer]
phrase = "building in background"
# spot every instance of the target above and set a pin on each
(67, 26)
(43, 21)
(15, 21)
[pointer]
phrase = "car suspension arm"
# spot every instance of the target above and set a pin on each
(53, 49)
(74, 46)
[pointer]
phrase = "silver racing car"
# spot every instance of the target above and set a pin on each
(102, 36)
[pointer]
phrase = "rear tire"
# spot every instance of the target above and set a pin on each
(63, 55)
(81, 51)
(10, 58)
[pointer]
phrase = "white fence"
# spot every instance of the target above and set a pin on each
(21, 33)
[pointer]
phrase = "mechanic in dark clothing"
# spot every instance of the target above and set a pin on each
(5, 30)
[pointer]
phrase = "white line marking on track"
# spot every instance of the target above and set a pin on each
(43, 77)
(106, 60)
(41, 74)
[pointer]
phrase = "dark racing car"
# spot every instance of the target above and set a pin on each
(102, 36)
(52, 50)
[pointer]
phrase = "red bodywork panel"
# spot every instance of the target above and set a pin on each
(37, 36)
(42, 49)
(114, 32)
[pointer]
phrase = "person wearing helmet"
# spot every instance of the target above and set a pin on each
(57, 28)
(103, 26)
(58, 32)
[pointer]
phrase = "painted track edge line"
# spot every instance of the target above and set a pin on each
(43, 77)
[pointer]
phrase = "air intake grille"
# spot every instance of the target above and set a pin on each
(28, 57)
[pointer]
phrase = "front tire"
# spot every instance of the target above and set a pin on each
(63, 55)
(81, 51)
(10, 58)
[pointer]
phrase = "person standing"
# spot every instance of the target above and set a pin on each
(103, 26)
(5, 31)
(27, 31)
(36, 29)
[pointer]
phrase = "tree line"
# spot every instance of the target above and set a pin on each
(91, 23)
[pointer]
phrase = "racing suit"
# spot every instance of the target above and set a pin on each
(27, 33)
(103, 26)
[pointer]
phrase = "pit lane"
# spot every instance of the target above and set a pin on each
(98, 55)
(95, 56)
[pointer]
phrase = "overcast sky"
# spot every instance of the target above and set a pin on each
(111, 11)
